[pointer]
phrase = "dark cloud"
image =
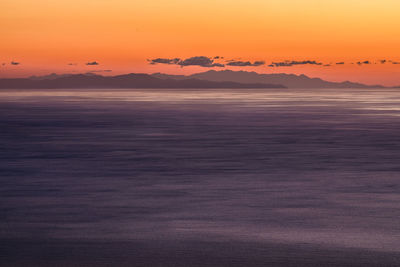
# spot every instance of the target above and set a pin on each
(93, 63)
(339, 63)
(218, 65)
(383, 61)
(206, 62)
(366, 62)
(201, 61)
(327, 65)
(288, 63)
(235, 59)
(394, 62)
(15, 63)
(164, 61)
(239, 63)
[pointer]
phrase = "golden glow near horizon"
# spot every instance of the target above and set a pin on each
(46, 35)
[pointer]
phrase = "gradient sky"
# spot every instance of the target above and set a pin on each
(46, 35)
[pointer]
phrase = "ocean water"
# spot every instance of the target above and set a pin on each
(309, 175)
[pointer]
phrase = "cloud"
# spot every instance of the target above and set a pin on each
(164, 61)
(327, 65)
(339, 63)
(383, 61)
(288, 63)
(366, 62)
(218, 65)
(93, 63)
(259, 63)
(72, 64)
(3, 64)
(394, 62)
(201, 61)
(239, 63)
(206, 62)
(15, 63)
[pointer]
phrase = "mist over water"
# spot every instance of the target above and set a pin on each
(285, 167)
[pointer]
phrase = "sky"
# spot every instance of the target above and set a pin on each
(122, 36)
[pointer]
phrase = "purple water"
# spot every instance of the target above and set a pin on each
(299, 170)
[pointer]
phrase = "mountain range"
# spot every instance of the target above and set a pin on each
(208, 79)
(133, 80)
(287, 80)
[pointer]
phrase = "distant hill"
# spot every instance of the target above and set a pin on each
(51, 76)
(288, 80)
(208, 79)
(122, 81)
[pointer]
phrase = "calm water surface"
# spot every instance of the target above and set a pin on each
(279, 167)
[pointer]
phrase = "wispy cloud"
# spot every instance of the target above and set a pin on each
(289, 63)
(340, 63)
(239, 63)
(15, 63)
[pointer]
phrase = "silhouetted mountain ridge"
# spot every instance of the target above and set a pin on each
(287, 80)
(132, 80)
(208, 79)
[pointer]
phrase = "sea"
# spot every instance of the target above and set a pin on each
(205, 177)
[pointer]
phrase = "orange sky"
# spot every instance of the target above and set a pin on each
(45, 35)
